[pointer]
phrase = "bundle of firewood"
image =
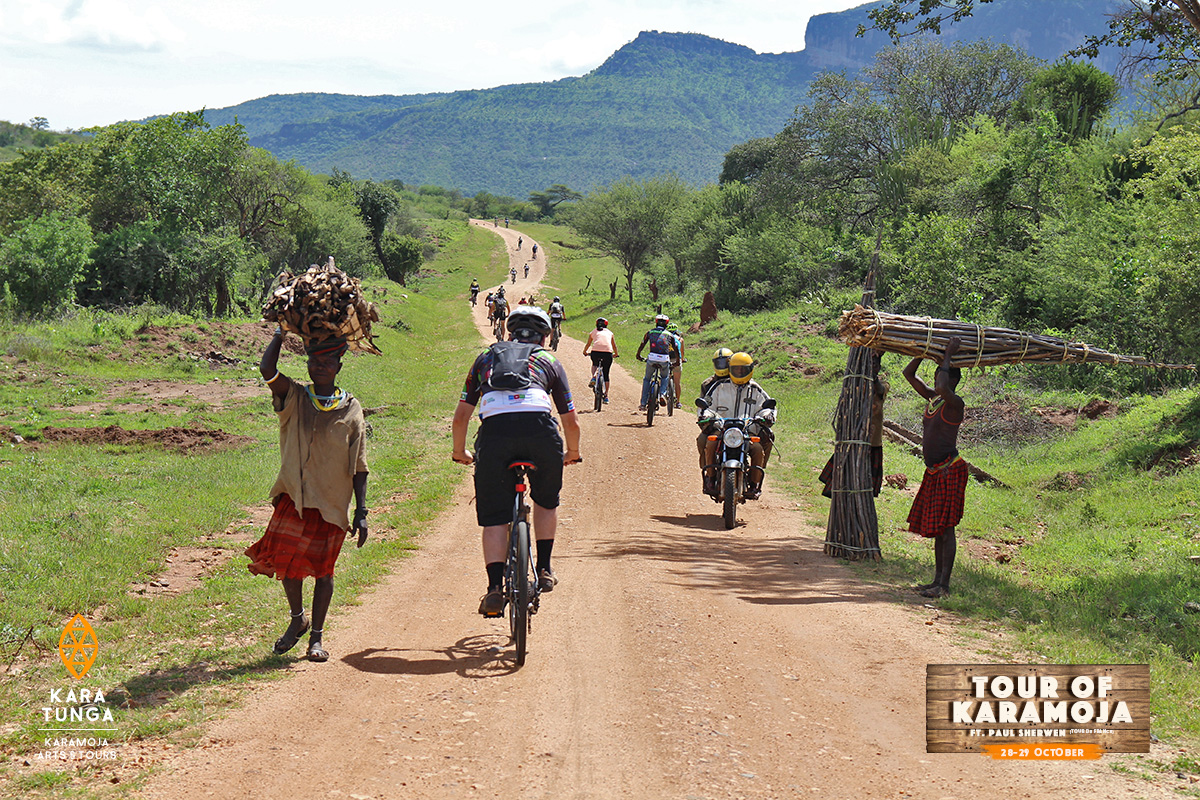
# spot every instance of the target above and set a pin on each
(981, 346)
(321, 303)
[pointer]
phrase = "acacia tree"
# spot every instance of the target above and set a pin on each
(628, 220)
(553, 197)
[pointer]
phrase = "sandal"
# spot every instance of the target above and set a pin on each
(315, 651)
(289, 640)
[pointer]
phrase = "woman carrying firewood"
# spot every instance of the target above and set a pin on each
(938, 506)
(322, 446)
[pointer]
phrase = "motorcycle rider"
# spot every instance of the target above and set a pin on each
(517, 426)
(662, 344)
(740, 396)
(720, 373)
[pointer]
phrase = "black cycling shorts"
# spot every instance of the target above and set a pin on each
(495, 483)
(602, 360)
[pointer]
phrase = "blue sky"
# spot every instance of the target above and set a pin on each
(94, 62)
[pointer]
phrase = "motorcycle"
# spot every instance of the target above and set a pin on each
(732, 462)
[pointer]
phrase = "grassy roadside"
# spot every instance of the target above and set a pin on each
(88, 523)
(1084, 559)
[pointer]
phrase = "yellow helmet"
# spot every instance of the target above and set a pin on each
(741, 368)
(721, 362)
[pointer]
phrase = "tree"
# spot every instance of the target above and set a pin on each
(551, 198)
(745, 161)
(402, 255)
(1161, 34)
(376, 204)
(1077, 94)
(628, 220)
(43, 259)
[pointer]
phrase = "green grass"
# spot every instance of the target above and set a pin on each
(85, 524)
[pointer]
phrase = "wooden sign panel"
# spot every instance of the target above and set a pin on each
(974, 708)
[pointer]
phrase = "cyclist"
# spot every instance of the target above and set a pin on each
(474, 290)
(517, 426)
(526, 269)
(557, 314)
(535, 250)
(499, 309)
(601, 345)
(741, 396)
(520, 242)
(720, 373)
(487, 303)
(677, 360)
(512, 273)
(661, 342)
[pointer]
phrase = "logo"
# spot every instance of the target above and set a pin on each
(78, 646)
(1037, 711)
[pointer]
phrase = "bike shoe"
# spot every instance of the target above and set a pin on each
(592, 383)
(492, 604)
(606, 399)
(641, 408)
(547, 580)
(678, 404)
(662, 401)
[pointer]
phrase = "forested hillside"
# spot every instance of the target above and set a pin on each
(665, 102)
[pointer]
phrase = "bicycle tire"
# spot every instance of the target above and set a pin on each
(652, 404)
(730, 510)
(519, 589)
(599, 390)
(554, 336)
(670, 396)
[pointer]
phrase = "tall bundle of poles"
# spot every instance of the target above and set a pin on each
(981, 346)
(853, 529)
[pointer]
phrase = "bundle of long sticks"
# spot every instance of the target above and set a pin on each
(321, 303)
(981, 346)
(853, 529)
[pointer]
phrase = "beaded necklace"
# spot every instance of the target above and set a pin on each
(326, 402)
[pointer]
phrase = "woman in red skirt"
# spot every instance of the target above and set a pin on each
(938, 506)
(322, 444)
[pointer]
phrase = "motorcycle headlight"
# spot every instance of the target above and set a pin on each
(733, 437)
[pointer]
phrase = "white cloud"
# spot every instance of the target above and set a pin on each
(105, 23)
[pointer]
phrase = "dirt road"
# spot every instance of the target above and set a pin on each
(674, 660)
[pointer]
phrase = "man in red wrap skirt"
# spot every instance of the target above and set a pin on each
(938, 506)
(322, 443)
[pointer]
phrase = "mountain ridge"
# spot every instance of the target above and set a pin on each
(663, 102)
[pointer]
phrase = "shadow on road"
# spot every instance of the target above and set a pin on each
(472, 657)
(701, 554)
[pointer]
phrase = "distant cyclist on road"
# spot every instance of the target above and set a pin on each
(517, 426)
(512, 273)
(557, 314)
(526, 269)
(601, 345)
(535, 250)
(500, 309)
(474, 291)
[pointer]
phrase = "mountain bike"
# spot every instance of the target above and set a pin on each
(498, 328)
(555, 335)
(600, 387)
(522, 590)
(661, 373)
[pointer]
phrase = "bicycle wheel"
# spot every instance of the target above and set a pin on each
(670, 396)
(554, 339)
(730, 487)
(652, 405)
(599, 389)
(519, 595)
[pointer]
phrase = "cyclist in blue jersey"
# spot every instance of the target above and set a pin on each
(663, 347)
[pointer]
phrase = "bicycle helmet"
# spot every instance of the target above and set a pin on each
(601, 323)
(500, 291)
(556, 298)
(661, 321)
(741, 368)
(529, 324)
(721, 362)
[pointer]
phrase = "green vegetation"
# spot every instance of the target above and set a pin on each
(1083, 559)
(91, 527)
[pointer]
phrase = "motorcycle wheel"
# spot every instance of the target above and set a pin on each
(730, 494)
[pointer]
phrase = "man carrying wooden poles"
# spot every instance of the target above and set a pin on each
(938, 506)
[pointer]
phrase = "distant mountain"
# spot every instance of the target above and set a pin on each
(664, 102)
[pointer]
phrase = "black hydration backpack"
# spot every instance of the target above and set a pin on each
(510, 366)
